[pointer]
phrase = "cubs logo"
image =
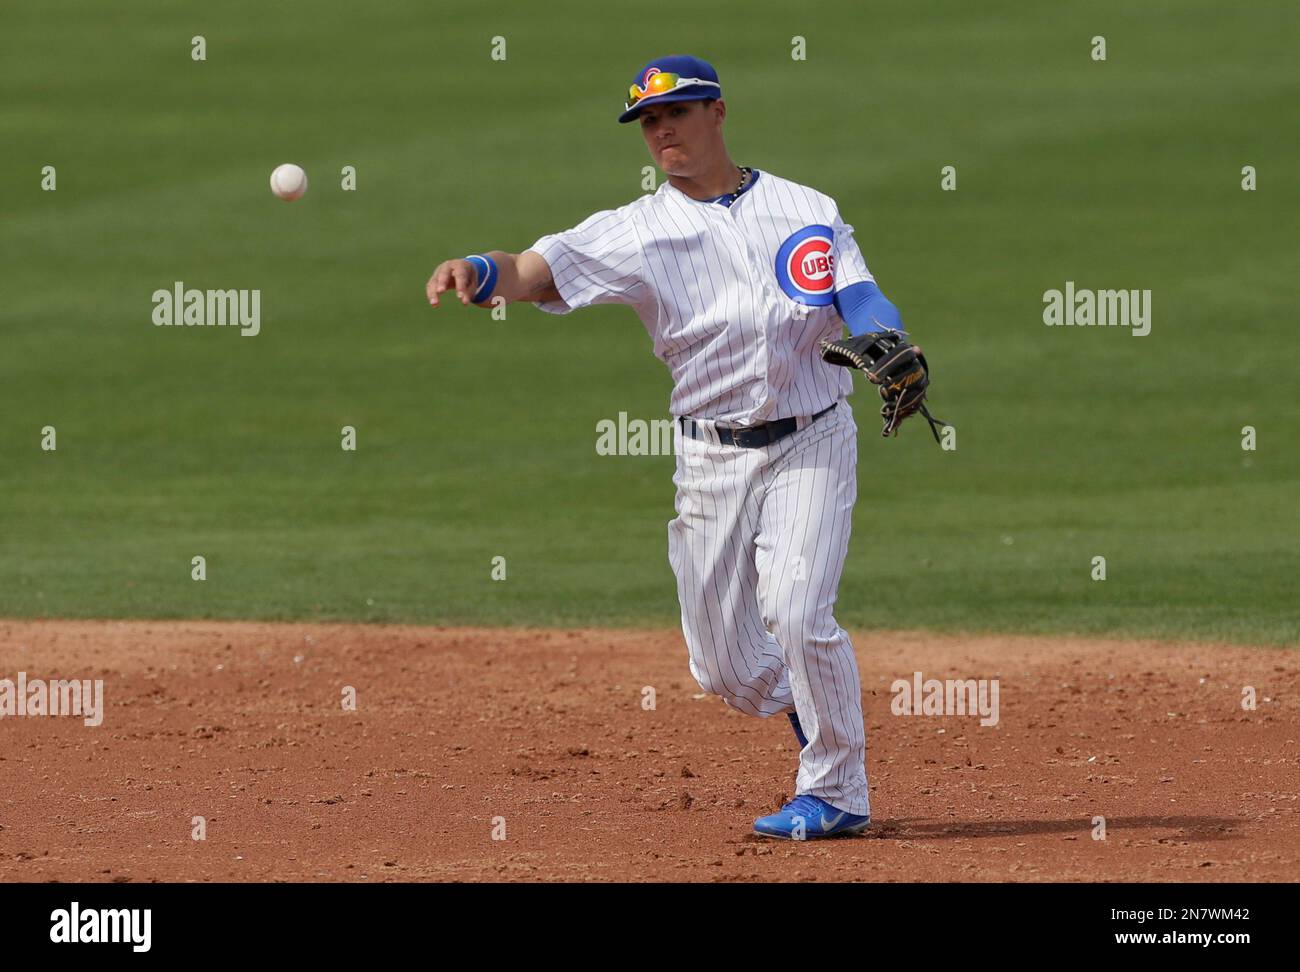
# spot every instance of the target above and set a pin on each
(805, 266)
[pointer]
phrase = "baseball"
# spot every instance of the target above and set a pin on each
(289, 181)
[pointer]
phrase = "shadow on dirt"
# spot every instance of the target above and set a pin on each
(1176, 829)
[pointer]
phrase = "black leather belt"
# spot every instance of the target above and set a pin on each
(753, 436)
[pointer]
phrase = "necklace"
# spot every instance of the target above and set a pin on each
(728, 198)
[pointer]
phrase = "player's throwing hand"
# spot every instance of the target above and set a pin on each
(492, 278)
(459, 275)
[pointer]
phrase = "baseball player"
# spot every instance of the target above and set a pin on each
(745, 282)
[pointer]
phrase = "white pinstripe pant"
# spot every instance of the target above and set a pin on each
(758, 546)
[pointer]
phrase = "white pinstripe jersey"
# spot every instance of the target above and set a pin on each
(734, 298)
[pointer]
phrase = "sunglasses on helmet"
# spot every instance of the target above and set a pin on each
(662, 83)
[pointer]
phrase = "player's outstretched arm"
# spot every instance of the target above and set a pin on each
(482, 278)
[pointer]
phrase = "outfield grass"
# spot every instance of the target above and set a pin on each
(476, 438)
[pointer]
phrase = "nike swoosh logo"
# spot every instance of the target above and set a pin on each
(828, 824)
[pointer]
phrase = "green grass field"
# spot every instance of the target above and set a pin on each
(476, 438)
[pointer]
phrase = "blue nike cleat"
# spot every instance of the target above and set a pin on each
(798, 730)
(808, 818)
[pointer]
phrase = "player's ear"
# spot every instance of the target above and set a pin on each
(719, 108)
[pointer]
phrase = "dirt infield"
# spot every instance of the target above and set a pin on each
(456, 731)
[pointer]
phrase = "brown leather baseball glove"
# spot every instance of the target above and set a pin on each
(895, 366)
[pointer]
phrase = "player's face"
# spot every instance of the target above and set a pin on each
(683, 136)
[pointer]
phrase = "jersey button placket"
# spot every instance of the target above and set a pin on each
(726, 217)
(767, 305)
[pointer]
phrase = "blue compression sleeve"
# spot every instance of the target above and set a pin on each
(864, 309)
